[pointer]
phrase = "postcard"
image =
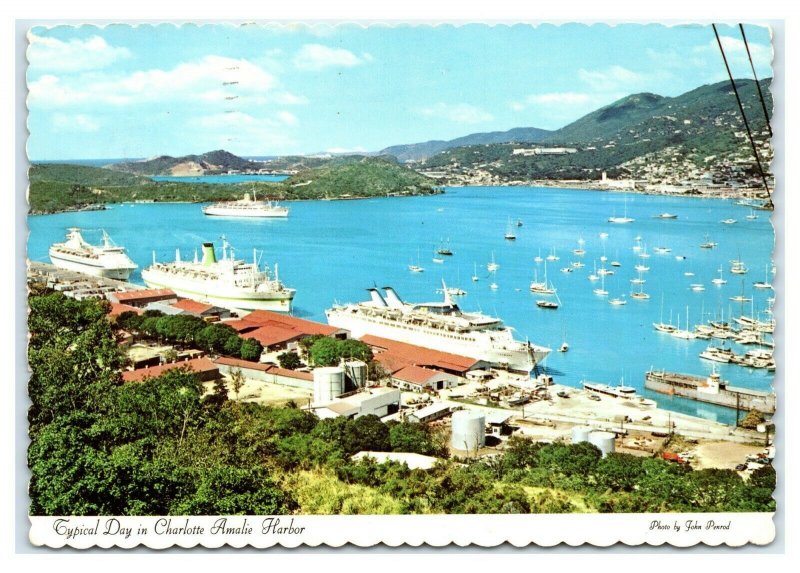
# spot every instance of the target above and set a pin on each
(328, 283)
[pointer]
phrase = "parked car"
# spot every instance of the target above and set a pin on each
(741, 467)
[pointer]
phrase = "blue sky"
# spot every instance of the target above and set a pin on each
(122, 91)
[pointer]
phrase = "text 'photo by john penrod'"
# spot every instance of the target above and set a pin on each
(325, 270)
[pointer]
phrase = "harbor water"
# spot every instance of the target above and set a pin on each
(331, 251)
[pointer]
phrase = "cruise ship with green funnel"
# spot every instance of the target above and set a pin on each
(228, 282)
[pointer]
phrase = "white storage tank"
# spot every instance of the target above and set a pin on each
(328, 384)
(603, 440)
(357, 373)
(580, 434)
(469, 430)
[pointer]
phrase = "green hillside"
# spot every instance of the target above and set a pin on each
(64, 187)
(369, 176)
(219, 161)
(702, 128)
(419, 151)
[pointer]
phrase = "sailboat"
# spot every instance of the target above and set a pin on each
(738, 267)
(564, 346)
(552, 256)
(766, 283)
(549, 304)
(542, 287)
(538, 258)
(662, 326)
(719, 281)
(617, 301)
(707, 244)
(638, 281)
(686, 333)
(602, 290)
(510, 236)
(580, 250)
(641, 295)
(416, 268)
(492, 266)
(740, 297)
(623, 219)
(475, 272)
(752, 215)
(593, 277)
(444, 249)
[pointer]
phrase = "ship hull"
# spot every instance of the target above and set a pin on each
(249, 213)
(514, 356)
(220, 296)
(94, 268)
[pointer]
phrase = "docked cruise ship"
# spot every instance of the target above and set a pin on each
(107, 260)
(437, 325)
(229, 282)
(246, 207)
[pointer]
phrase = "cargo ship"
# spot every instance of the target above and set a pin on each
(712, 390)
(229, 283)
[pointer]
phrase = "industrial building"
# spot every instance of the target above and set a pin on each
(268, 373)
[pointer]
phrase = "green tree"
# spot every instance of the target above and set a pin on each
(233, 346)
(237, 380)
(620, 472)
(325, 352)
(409, 437)
(366, 433)
(227, 490)
(251, 349)
(289, 360)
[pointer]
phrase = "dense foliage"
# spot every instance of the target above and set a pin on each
(163, 446)
(187, 330)
(57, 187)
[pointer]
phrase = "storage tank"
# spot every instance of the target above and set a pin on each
(356, 371)
(580, 434)
(469, 430)
(328, 384)
(603, 440)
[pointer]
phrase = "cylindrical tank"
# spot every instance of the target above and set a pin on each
(580, 434)
(356, 371)
(328, 384)
(603, 440)
(469, 430)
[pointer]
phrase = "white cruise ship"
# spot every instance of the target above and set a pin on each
(228, 283)
(437, 325)
(107, 260)
(246, 207)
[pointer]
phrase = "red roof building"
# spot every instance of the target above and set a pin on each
(117, 309)
(418, 379)
(274, 330)
(393, 352)
(203, 367)
(143, 297)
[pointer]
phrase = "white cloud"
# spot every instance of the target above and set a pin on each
(315, 57)
(611, 79)
(559, 98)
(736, 52)
(457, 113)
(76, 122)
(75, 55)
(287, 117)
(516, 106)
(213, 79)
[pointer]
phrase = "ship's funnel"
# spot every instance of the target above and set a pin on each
(209, 257)
(392, 300)
(376, 297)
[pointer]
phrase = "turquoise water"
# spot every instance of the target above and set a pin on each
(330, 251)
(221, 179)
